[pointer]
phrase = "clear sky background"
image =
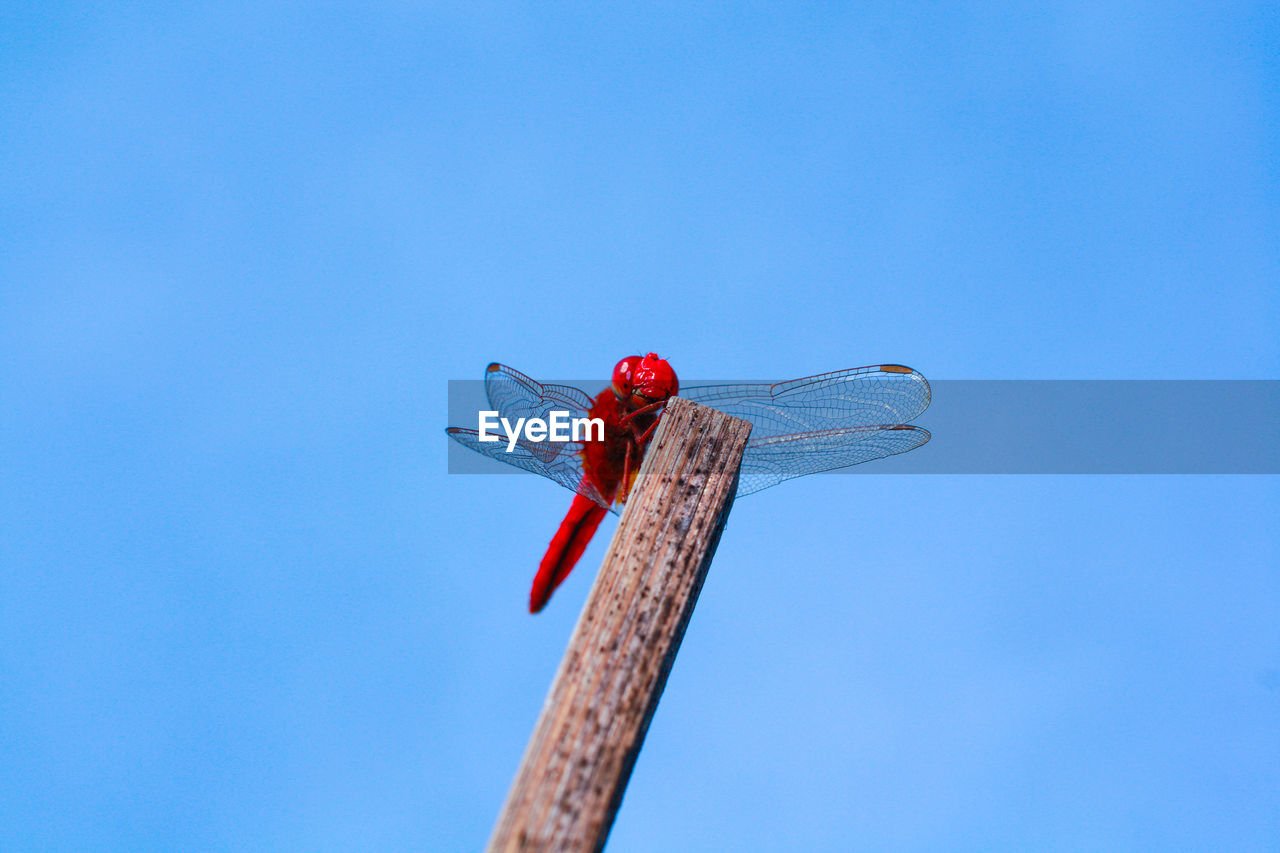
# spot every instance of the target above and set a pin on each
(244, 246)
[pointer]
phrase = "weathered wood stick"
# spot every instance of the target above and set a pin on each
(575, 769)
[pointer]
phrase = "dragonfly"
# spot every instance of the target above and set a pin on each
(805, 426)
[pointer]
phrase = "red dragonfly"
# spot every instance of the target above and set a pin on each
(808, 425)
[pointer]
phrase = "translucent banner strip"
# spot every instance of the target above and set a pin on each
(1040, 427)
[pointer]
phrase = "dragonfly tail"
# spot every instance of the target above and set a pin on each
(567, 546)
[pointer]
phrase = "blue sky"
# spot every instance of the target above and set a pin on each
(244, 247)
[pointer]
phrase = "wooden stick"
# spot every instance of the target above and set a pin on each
(579, 758)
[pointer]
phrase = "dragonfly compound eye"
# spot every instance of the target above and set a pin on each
(623, 376)
(654, 379)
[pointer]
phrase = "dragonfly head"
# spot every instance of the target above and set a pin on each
(641, 380)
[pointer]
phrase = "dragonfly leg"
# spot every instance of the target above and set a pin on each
(642, 437)
(643, 410)
(624, 489)
(648, 434)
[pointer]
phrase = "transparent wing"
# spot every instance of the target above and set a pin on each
(514, 395)
(884, 394)
(800, 427)
(558, 461)
(772, 459)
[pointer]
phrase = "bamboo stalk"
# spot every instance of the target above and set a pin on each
(593, 722)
